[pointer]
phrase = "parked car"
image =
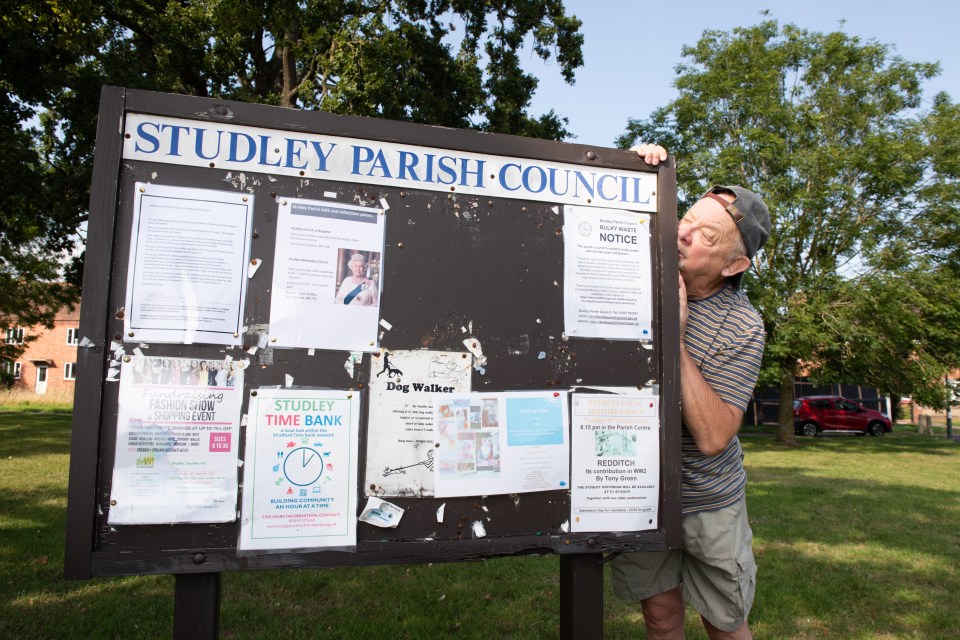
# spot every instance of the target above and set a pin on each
(815, 414)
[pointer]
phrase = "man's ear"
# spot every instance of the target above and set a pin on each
(737, 265)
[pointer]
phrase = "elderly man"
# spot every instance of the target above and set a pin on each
(356, 288)
(720, 352)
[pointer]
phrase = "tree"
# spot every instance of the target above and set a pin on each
(445, 62)
(824, 127)
(40, 53)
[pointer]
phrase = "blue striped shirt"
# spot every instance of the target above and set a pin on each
(725, 338)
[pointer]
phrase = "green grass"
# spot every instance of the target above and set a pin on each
(25, 400)
(856, 538)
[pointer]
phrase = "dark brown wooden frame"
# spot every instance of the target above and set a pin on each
(89, 551)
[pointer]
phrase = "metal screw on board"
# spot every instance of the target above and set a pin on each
(113, 503)
(253, 393)
(126, 358)
(591, 155)
(130, 334)
(199, 558)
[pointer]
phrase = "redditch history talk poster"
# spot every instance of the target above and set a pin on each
(607, 280)
(615, 443)
(186, 281)
(403, 386)
(177, 436)
(300, 471)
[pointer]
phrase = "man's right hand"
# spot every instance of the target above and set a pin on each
(652, 154)
(683, 309)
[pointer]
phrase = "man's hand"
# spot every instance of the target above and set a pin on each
(652, 154)
(683, 309)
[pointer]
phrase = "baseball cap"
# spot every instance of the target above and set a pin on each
(750, 215)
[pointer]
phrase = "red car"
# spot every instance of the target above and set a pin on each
(815, 414)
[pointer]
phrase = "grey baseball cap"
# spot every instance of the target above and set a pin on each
(751, 216)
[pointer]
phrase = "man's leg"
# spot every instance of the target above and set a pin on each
(719, 570)
(740, 633)
(664, 614)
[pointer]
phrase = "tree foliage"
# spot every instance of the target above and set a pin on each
(444, 62)
(827, 129)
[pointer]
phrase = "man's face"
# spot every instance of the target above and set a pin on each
(356, 268)
(705, 240)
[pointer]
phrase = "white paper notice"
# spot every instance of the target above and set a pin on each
(607, 286)
(495, 443)
(400, 445)
(327, 276)
(615, 481)
(177, 438)
(186, 280)
(381, 513)
(300, 472)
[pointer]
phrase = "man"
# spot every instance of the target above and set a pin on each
(720, 352)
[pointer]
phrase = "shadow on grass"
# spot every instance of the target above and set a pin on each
(29, 433)
(865, 445)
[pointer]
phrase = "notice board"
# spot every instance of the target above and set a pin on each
(313, 340)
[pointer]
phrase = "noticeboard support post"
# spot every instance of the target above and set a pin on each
(581, 596)
(196, 606)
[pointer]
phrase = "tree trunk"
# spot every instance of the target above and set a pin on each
(289, 71)
(785, 433)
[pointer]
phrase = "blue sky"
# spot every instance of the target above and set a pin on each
(632, 47)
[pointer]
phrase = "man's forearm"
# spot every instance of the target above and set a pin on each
(712, 422)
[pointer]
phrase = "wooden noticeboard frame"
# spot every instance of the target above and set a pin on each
(425, 238)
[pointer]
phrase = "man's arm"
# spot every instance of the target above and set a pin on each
(712, 422)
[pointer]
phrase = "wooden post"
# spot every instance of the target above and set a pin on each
(581, 596)
(196, 606)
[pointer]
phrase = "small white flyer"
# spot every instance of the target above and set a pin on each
(381, 513)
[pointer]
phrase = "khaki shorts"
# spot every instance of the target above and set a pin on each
(715, 567)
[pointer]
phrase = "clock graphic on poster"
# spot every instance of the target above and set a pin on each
(303, 466)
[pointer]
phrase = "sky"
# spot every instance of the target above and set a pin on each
(632, 47)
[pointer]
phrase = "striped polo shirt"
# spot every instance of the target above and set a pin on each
(725, 338)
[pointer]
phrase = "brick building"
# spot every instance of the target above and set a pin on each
(48, 364)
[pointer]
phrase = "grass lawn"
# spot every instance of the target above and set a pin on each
(855, 538)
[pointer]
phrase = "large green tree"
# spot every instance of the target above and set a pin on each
(825, 126)
(445, 62)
